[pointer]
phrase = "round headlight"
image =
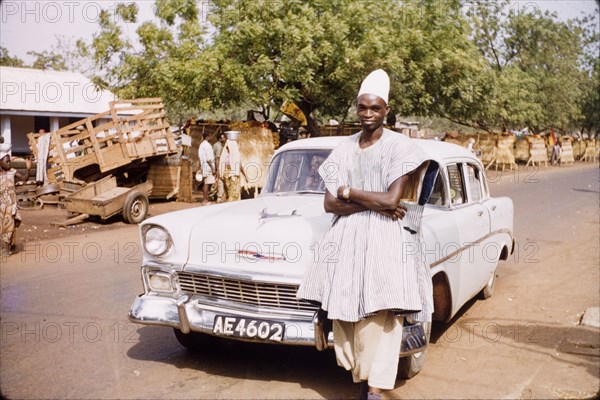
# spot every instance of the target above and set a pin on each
(157, 241)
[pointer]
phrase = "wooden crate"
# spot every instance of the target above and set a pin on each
(566, 151)
(579, 148)
(165, 180)
(172, 181)
(537, 151)
(136, 129)
(591, 151)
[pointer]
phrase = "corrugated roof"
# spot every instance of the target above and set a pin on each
(35, 90)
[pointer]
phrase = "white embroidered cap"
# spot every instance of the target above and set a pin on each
(377, 83)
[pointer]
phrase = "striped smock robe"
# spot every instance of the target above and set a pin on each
(376, 265)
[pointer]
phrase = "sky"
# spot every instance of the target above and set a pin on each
(33, 25)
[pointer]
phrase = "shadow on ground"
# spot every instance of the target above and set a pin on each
(306, 366)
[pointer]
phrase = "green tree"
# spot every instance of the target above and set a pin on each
(590, 84)
(533, 66)
(590, 101)
(167, 61)
(48, 60)
(7, 61)
(260, 53)
(64, 55)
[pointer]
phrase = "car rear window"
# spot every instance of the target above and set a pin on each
(457, 192)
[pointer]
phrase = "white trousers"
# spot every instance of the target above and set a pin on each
(370, 348)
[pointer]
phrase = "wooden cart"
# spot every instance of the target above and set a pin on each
(130, 132)
(105, 199)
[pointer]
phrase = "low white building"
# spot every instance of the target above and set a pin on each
(33, 99)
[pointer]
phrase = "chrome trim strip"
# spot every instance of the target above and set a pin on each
(463, 248)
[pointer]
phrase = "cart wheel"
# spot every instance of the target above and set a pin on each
(135, 207)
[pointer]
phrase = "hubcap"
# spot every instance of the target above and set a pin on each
(137, 208)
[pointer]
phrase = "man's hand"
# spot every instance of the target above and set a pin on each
(28, 163)
(398, 213)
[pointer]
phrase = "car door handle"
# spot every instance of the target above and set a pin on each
(479, 213)
(493, 208)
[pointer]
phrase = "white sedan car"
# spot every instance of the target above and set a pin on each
(232, 270)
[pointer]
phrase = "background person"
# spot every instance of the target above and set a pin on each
(555, 155)
(207, 165)
(10, 219)
(230, 167)
(218, 149)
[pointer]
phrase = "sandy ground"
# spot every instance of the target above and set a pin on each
(36, 223)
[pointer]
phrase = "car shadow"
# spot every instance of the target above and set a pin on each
(305, 366)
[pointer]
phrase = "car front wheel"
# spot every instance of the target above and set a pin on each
(411, 365)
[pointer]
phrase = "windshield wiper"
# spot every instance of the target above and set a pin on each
(309, 192)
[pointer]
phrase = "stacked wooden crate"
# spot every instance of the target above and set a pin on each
(591, 151)
(566, 151)
(537, 151)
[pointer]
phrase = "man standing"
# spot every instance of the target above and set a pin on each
(230, 167)
(376, 277)
(218, 149)
(207, 165)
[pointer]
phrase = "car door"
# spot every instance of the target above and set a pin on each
(473, 222)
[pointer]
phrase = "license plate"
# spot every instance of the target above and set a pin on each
(248, 328)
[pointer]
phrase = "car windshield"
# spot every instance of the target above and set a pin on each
(296, 171)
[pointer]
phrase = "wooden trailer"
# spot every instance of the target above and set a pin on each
(105, 199)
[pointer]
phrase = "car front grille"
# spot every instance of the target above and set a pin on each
(259, 294)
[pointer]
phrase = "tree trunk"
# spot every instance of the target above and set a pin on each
(391, 117)
(311, 125)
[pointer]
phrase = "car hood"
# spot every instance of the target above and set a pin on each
(270, 236)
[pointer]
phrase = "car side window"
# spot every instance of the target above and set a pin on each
(438, 195)
(457, 192)
(474, 182)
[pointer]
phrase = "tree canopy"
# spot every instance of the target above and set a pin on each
(63, 56)
(480, 64)
(534, 65)
(9, 61)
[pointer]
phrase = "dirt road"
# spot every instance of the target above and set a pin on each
(65, 334)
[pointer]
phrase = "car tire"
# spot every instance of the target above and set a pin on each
(193, 341)
(488, 289)
(411, 365)
(135, 207)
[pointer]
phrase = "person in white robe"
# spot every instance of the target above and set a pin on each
(377, 275)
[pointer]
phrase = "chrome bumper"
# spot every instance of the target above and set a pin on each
(192, 315)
